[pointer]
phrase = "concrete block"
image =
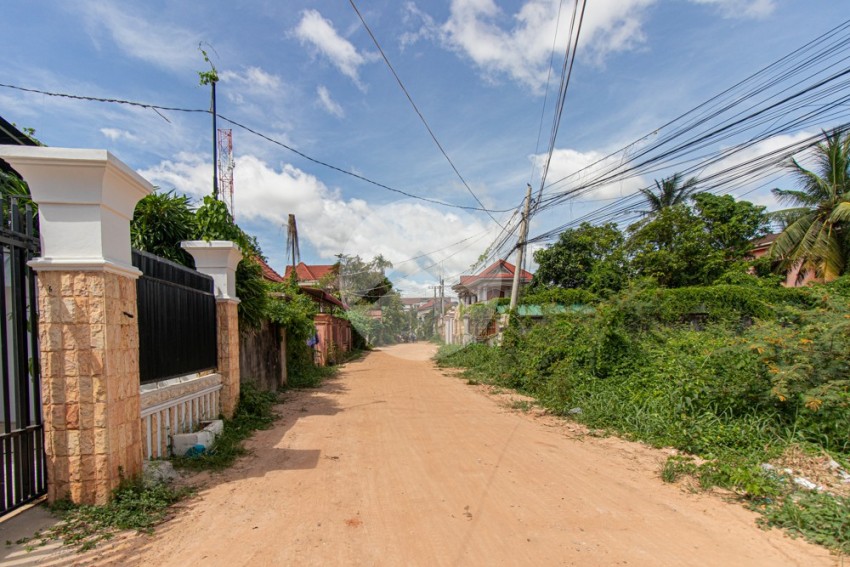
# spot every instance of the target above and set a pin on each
(182, 442)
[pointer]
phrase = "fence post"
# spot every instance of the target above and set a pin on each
(88, 331)
(219, 258)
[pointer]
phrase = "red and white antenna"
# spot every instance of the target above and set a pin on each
(225, 167)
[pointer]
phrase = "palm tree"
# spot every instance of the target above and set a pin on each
(668, 192)
(817, 236)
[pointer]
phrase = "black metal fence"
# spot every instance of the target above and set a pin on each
(23, 477)
(177, 326)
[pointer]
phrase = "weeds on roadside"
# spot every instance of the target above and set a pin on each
(764, 370)
(253, 412)
(818, 517)
(134, 506)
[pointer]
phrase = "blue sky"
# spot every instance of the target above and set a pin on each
(307, 74)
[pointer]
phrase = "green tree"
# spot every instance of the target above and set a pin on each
(160, 222)
(361, 281)
(685, 245)
(668, 192)
(588, 257)
(673, 249)
(817, 236)
(731, 225)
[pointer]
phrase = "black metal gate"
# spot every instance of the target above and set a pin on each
(23, 477)
(177, 327)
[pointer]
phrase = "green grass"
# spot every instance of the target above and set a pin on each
(134, 506)
(818, 517)
(767, 372)
(254, 412)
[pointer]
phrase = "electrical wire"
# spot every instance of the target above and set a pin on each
(419, 113)
(157, 108)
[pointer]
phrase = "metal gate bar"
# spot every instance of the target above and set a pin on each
(23, 474)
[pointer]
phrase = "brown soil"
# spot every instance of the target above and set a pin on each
(396, 463)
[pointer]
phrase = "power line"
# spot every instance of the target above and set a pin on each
(546, 91)
(157, 108)
(566, 74)
(419, 113)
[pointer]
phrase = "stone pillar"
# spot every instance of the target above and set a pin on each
(219, 258)
(88, 331)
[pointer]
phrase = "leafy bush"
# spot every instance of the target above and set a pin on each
(254, 411)
(733, 393)
(560, 296)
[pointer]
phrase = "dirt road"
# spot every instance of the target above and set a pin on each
(395, 463)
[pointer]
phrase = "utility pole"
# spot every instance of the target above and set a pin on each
(523, 235)
(215, 141)
(442, 294)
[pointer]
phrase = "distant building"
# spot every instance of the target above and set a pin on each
(333, 334)
(315, 275)
(761, 248)
(492, 283)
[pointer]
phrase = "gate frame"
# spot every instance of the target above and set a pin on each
(23, 476)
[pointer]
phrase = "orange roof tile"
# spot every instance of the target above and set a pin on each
(501, 270)
(268, 272)
(310, 273)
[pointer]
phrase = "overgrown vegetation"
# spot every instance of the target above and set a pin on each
(134, 506)
(733, 374)
(254, 412)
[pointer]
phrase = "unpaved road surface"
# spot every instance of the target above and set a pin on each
(396, 463)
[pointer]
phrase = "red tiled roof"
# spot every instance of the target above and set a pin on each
(501, 270)
(310, 273)
(268, 272)
(764, 240)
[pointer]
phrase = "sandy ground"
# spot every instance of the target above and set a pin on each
(396, 463)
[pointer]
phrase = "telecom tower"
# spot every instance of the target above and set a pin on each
(225, 167)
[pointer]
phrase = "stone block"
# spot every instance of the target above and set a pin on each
(73, 437)
(101, 441)
(87, 415)
(72, 416)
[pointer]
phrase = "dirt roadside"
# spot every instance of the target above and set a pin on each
(395, 463)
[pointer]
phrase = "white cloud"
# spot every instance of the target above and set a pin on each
(742, 8)
(578, 168)
(253, 81)
(159, 43)
(329, 104)
(519, 45)
(333, 224)
(116, 134)
(315, 30)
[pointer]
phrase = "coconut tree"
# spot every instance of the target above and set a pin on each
(668, 192)
(817, 236)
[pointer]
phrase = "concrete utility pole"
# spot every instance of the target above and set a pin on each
(215, 142)
(523, 234)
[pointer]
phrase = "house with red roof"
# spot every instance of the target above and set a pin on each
(315, 275)
(492, 283)
(333, 334)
